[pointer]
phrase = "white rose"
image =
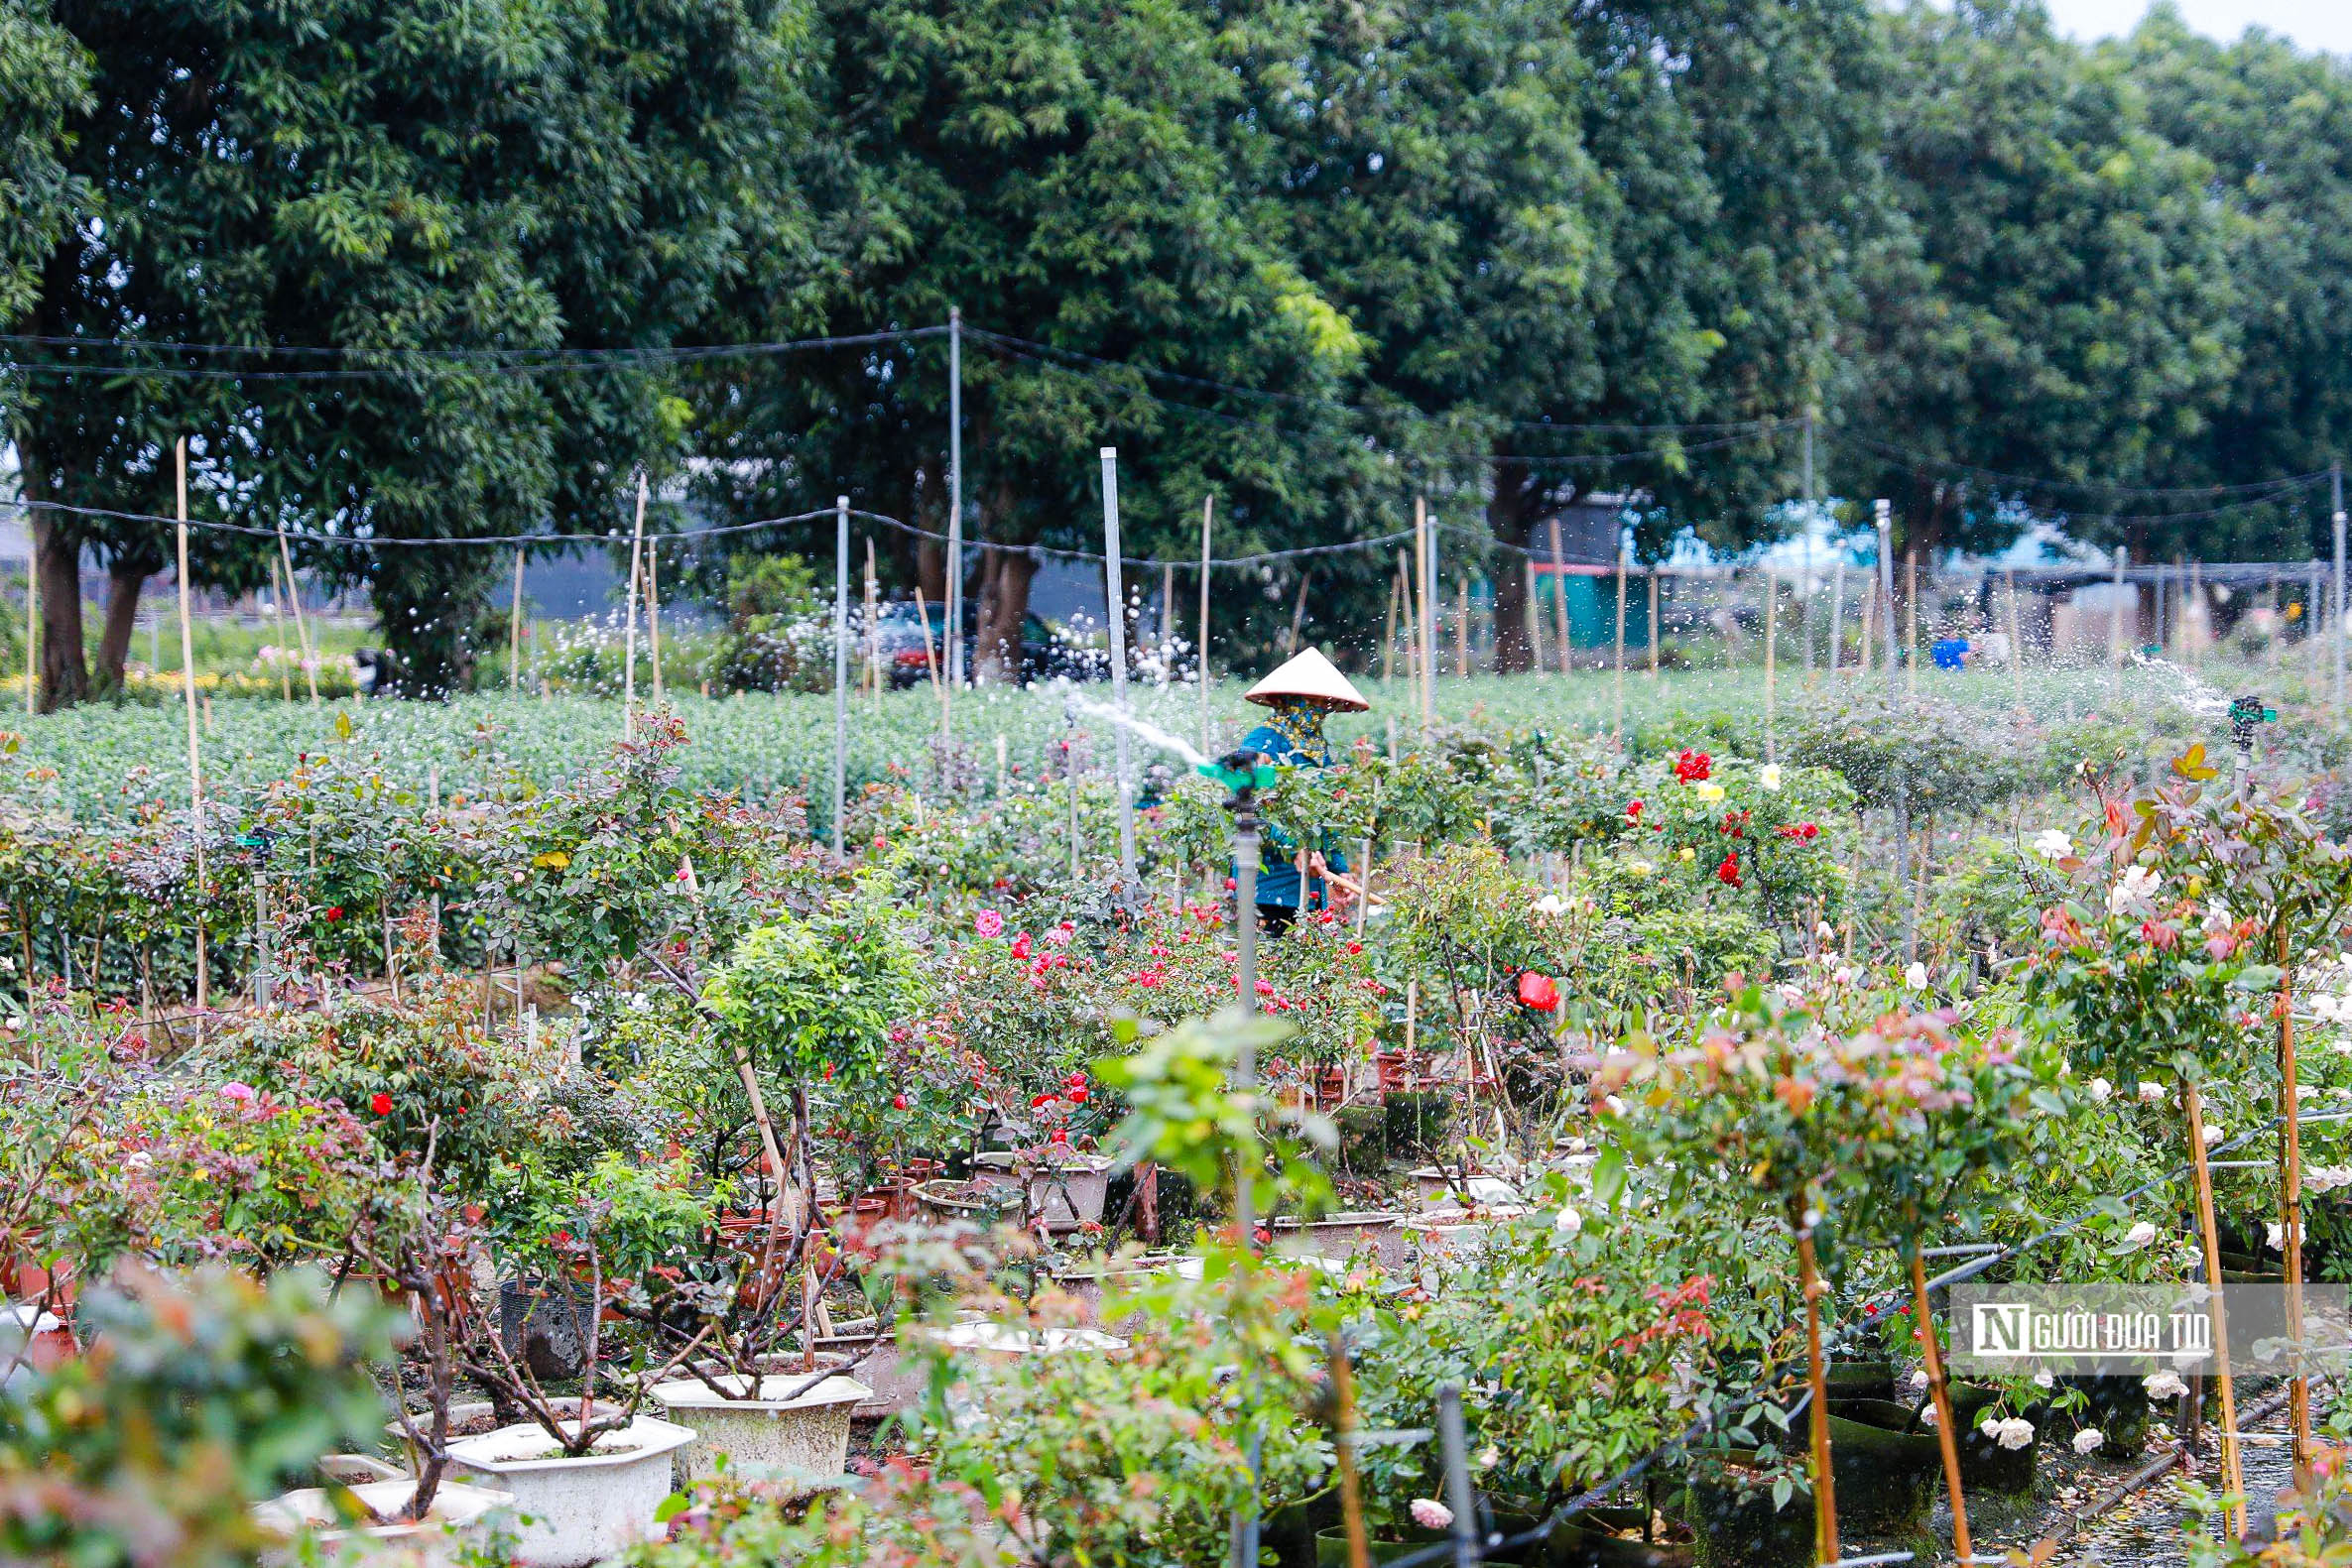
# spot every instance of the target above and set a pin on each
(1640, 868)
(1551, 904)
(2165, 1386)
(1823, 932)
(2150, 1093)
(2013, 1434)
(2213, 1134)
(2142, 1233)
(1916, 977)
(1568, 1222)
(1616, 1105)
(1769, 776)
(2043, 1380)
(2133, 892)
(2275, 1234)
(2101, 1091)
(2050, 844)
(2089, 1438)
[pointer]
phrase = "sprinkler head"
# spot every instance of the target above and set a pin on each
(256, 845)
(2245, 714)
(1242, 773)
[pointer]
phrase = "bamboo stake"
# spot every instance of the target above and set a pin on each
(1910, 591)
(1817, 1408)
(513, 631)
(1351, 1495)
(2233, 1480)
(1560, 596)
(2017, 647)
(1870, 604)
(195, 761)
(1772, 621)
(1208, 507)
(31, 621)
(1535, 621)
(1422, 613)
(2290, 1212)
(278, 637)
(629, 664)
(1946, 1438)
(1388, 645)
(873, 630)
(1653, 575)
(1299, 613)
(653, 610)
(1461, 636)
(1617, 722)
(301, 620)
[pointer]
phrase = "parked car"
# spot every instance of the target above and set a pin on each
(900, 644)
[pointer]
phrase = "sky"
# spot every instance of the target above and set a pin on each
(2312, 24)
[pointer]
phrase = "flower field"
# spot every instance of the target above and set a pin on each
(475, 1132)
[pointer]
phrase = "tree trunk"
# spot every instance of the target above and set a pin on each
(1003, 606)
(1511, 515)
(930, 570)
(64, 673)
(122, 619)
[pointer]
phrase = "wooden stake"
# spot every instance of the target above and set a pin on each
(1388, 646)
(1423, 614)
(513, 631)
(1299, 613)
(1910, 591)
(2290, 1210)
(31, 621)
(874, 677)
(1772, 622)
(196, 750)
(301, 620)
(2017, 647)
(629, 659)
(1617, 723)
(1653, 575)
(2233, 1480)
(1535, 621)
(653, 610)
(1870, 604)
(1208, 507)
(1946, 1437)
(1461, 635)
(278, 636)
(1817, 1408)
(1351, 1493)
(1560, 595)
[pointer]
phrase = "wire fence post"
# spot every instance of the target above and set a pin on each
(1209, 513)
(1883, 513)
(955, 503)
(2335, 606)
(2115, 634)
(840, 665)
(629, 659)
(195, 751)
(1115, 588)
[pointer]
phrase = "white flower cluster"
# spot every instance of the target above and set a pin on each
(2135, 891)
(2050, 844)
(2011, 1432)
(2165, 1386)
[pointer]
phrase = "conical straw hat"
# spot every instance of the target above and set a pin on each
(1309, 677)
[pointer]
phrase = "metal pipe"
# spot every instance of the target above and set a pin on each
(840, 664)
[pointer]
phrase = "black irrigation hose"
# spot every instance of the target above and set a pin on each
(1593, 1495)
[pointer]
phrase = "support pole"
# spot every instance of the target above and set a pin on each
(653, 611)
(2233, 1482)
(629, 659)
(954, 631)
(195, 763)
(1424, 616)
(1560, 594)
(2335, 605)
(1884, 514)
(278, 636)
(1837, 612)
(1772, 621)
(1946, 1435)
(2291, 1211)
(1534, 618)
(1652, 574)
(33, 621)
(1817, 1408)
(1115, 587)
(1617, 723)
(1911, 638)
(2115, 633)
(513, 631)
(301, 620)
(2016, 645)
(1208, 511)
(842, 666)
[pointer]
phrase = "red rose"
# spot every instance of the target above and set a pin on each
(1633, 812)
(380, 1103)
(898, 1102)
(1538, 992)
(335, 914)
(1020, 945)
(1729, 871)
(1692, 767)
(1077, 1096)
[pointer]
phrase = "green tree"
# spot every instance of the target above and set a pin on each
(2065, 307)
(1056, 171)
(507, 178)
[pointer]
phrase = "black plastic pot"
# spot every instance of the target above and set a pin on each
(1735, 1526)
(1860, 1379)
(1984, 1463)
(2118, 1409)
(1597, 1538)
(1886, 1477)
(1330, 1546)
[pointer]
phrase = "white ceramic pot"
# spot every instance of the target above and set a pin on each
(786, 1430)
(1445, 1189)
(1066, 1193)
(576, 1510)
(1380, 1236)
(433, 1541)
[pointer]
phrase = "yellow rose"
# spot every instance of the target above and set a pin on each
(1688, 854)
(553, 860)
(1709, 791)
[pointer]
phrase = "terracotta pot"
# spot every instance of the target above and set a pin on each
(1330, 1087)
(1396, 1071)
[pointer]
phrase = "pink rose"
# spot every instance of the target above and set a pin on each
(990, 923)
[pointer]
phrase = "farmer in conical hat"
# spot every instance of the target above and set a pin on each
(1295, 880)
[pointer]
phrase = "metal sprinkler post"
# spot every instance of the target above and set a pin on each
(1243, 774)
(2245, 714)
